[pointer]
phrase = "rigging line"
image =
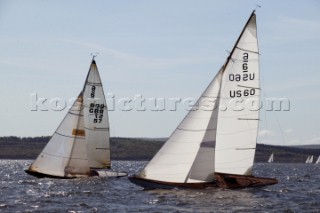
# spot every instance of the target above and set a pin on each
(278, 123)
(96, 129)
(244, 148)
(247, 50)
(249, 87)
(71, 113)
(63, 157)
(93, 83)
(67, 136)
(195, 130)
(254, 119)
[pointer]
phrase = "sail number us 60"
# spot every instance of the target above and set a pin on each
(244, 76)
(241, 93)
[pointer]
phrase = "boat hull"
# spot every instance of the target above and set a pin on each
(229, 181)
(148, 184)
(225, 181)
(98, 173)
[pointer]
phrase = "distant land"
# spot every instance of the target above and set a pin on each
(145, 148)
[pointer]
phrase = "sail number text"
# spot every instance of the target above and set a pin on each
(96, 109)
(244, 76)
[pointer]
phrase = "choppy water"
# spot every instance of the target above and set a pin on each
(298, 191)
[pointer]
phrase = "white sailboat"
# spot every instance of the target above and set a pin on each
(311, 159)
(270, 160)
(213, 147)
(308, 159)
(318, 160)
(80, 146)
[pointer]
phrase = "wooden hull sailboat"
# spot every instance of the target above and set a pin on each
(213, 147)
(80, 147)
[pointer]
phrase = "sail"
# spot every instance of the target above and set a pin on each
(65, 153)
(96, 120)
(188, 155)
(311, 159)
(270, 160)
(318, 160)
(308, 159)
(238, 123)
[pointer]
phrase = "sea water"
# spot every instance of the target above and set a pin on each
(298, 190)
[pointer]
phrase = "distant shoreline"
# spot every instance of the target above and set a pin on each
(143, 149)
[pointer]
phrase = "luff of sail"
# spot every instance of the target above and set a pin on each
(81, 141)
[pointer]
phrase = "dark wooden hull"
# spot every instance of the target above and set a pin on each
(225, 181)
(148, 184)
(42, 175)
(229, 181)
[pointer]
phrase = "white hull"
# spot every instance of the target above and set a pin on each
(108, 173)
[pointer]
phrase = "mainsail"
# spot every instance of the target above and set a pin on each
(238, 125)
(81, 141)
(216, 136)
(318, 160)
(96, 120)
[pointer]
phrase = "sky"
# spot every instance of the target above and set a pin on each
(155, 50)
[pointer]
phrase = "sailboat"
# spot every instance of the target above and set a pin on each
(270, 160)
(318, 160)
(80, 147)
(212, 147)
(311, 159)
(308, 159)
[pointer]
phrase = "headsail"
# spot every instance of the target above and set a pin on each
(65, 154)
(188, 155)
